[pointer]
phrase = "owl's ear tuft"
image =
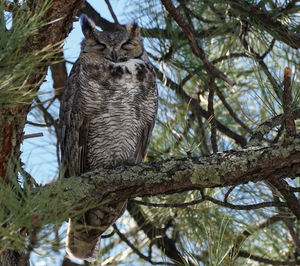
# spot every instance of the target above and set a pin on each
(87, 26)
(133, 29)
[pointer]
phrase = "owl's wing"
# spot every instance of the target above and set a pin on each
(144, 140)
(73, 127)
(141, 150)
(82, 147)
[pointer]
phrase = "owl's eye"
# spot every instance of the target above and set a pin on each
(100, 46)
(128, 46)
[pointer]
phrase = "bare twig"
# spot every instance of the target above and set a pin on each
(136, 250)
(231, 112)
(269, 49)
(37, 124)
(286, 215)
(218, 202)
(152, 32)
(112, 12)
(124, 239)
(247, 255)
(156, 235)
(229, 56)
(295, 189)
(291, 200)
(50, 120)
(200, 18)
(100, 21)
(198, 111)
(249, 232)
(257, 57)
(213, 136)
(228, 193)
(108, 235)
(34, 135)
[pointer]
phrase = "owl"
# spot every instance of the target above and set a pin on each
(107, 115)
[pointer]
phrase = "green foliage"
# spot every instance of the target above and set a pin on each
(20, 65)
(24, 211)
(207, 233)
(237, 40)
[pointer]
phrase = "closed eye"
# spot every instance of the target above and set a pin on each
(128, 46)
(100, 46)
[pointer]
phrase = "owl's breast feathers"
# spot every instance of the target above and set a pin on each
(119, 102)
(107, 114)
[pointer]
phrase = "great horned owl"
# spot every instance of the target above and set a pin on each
(107, 114)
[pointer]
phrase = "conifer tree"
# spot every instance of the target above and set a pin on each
(221, 181)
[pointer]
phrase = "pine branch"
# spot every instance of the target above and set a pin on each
(136, 250)
(246, 254)
(156, 235)
(195, 47)
(217, 202)
(104, 24)
(268, 125)
(197, 110)
(240, 239)
(265, 18)
(178, 175)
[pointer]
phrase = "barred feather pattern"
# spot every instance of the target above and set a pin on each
(107, 114)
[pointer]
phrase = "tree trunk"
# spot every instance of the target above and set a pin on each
(13, 118)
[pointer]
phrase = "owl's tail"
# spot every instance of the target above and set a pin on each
(83, 239)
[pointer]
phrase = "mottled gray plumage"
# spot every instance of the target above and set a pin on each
(107, 115)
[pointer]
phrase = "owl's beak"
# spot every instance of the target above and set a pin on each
(114, 56)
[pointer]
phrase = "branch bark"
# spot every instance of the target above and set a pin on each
(177, 175)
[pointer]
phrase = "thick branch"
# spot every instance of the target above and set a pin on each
(178, 175)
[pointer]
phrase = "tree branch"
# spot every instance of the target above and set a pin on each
(154, 32)
(156, 235)
(246, 254)
(268, 125)
(183, 174)
(195, 47)
(197, 110)
(262, 17)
